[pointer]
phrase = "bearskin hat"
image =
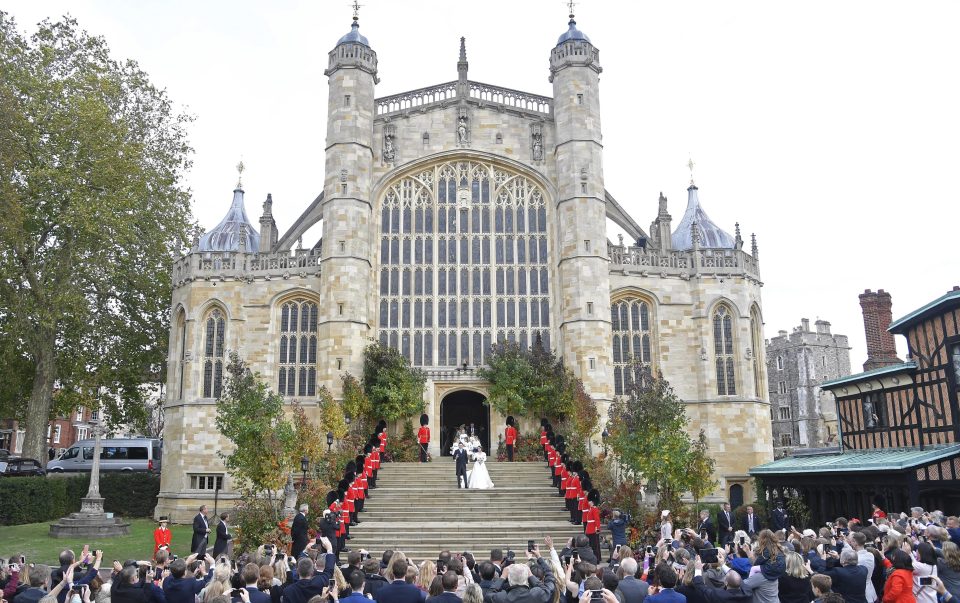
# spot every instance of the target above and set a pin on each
(368, 449)
(351, 467)
(561, 439)
(584, 476)
(544, 422)
(343, 484)
(510, 421)
(594, 497)
(359, 460)
(348, 476)
(340, 493)
(381, 425)
(332, 497)
(424, 419)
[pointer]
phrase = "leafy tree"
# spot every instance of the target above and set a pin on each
(356, 404)
(511, 378)
(648, 432)
(331, 416)
(93, 211)
(395, 389)
(700, 472)
(252, 418)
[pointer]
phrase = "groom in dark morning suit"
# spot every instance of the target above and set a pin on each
(460, 458)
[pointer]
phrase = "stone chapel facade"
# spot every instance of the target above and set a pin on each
(453, 217)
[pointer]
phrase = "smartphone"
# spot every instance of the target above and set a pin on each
(649, 550)
(617, 548)
(743, 540)
(236, 592)
(233, 565)
(709, 555)
(566, 559)
(669, 546)
(926, 581)
(530, 546)
(596, 595)
(23, 559)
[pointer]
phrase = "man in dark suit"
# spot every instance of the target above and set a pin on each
(725, 524)
(399, 591)
(489, 583)
(733, 590)
(449, 594)
(356, 595)
(667, 577)
(178, 587)
(849, 579)
(220, 546)
(201, 532)
(779, 519)
(751, 523)
(313, 577)
(298, 532)
(460, 459)
(705, 528)
(630, 588)
(250, 574)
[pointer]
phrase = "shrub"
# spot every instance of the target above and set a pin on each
(527, 448)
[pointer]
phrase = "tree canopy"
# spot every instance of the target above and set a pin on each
(648, 433)
(393, 387)
(93, 211)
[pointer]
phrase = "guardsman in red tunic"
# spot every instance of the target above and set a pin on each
(423, 437)
(510, 438)
(573, 487)
(564, 477)
(591, 521)
(544, 432)
(341, 529)
(346, 507)
(383, 439)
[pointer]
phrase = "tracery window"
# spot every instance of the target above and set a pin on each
(181, 352)
(297, 360)
(723, 351)
(463, 263)
(630, 320)
(215, 327)
(759, 372)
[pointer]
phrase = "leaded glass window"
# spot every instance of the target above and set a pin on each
(630, 322)
(297, 358)
(488, 224)
(723, 351)
(215, 327)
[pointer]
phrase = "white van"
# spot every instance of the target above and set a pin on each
(132, 454)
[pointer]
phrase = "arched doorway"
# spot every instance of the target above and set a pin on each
(464, 407)
(736, 496)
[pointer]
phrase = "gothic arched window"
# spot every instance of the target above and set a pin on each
(215, 327)
(630, 321)
(297, 359)
(181, 352)
(759, 367)
(723, 351)
(453, 205)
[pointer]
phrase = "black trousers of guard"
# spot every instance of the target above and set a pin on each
(510, 452)
(423, 453)
(595, 543)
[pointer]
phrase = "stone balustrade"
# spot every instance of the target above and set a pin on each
(452, 374)
(684, 264)
(477, 93)
(245, 266)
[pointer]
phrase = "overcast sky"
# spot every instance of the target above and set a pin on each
(828, 128)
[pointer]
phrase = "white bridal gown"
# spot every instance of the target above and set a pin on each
(479, 478)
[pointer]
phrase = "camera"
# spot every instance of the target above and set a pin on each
(596, 595)
(926, 581)
(530, 546)
(236, 592)
(709, 555)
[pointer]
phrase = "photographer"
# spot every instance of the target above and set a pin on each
(618, 530)
(313, 578)
(523, 587)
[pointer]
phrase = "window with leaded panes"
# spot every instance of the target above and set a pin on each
(297, 358)
(215, 327)
(723, 348)
(630, 321)
(463, 263)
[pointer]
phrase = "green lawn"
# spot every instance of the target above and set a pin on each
(33, 541)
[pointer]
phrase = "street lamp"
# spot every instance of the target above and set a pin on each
(329, 441)
(304, 465)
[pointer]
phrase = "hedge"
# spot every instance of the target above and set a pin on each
(37, 499)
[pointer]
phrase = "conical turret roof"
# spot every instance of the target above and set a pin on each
(226, 235)
(710, 235)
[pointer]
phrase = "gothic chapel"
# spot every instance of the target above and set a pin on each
(453, 217)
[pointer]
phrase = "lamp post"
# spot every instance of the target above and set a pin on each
(304, 465)
(329, 441)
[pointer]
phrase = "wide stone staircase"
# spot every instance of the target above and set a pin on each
(418, 509)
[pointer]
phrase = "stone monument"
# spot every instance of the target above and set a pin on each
(91, 521)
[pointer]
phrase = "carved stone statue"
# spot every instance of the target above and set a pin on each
(389, 152)
(462, 130)
(537, 146)
(289, 497)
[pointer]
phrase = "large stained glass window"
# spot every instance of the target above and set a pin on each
(297, 371)
(630, 321)
(213, 352)
(723, 351)
(463, 263)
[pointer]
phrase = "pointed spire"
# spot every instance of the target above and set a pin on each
(462, 63)
(572, 32)
(753, 245)
(690, 165)
(354, 34)
(240, 168)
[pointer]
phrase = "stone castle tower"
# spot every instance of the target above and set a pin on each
(453, 217)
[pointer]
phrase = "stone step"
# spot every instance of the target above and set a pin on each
(375, 516)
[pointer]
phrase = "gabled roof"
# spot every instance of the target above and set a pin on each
(895, 459)
(877, 372)
(945, 302)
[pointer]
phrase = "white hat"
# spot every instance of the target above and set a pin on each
(664, 513)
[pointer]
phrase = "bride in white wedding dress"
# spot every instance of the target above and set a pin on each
(478, 477)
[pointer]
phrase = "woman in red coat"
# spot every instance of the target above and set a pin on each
(161, 536)
(899, 585)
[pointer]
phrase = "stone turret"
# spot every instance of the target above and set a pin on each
(268, 226)
(584, 282)
(346, 271)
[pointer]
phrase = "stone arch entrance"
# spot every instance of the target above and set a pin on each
(463, 407)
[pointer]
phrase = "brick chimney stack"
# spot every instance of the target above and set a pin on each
(877, 316)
